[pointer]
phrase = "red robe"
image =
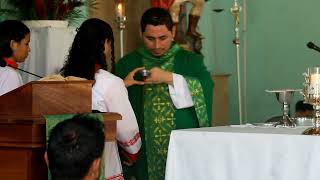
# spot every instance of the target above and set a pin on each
(165, 4)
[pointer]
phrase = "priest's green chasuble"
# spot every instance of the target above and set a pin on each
(155, 111)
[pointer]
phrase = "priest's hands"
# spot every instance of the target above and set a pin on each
(158, 76)
(129, 80)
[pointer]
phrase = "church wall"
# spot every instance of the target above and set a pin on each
(273, 50)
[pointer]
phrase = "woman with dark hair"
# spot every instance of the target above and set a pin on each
(92, 45)
(14, 48)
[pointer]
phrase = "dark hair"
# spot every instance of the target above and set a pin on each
(73, 146)
(10, 30)
(301, 107)
(156, 16)
(87, 49)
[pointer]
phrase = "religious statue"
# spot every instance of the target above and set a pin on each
(165, 4)
(176, 7)
(194, 16)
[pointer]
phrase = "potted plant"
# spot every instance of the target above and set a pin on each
(59, 10)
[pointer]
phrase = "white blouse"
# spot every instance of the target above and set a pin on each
(109, 94)
(10, 79)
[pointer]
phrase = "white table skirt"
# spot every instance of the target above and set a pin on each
(243, 153)
(49, 48)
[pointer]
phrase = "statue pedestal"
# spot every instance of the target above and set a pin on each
(45, 23)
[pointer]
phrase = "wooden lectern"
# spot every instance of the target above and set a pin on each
(22, 126)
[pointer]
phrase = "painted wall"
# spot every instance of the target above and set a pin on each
(273, 50)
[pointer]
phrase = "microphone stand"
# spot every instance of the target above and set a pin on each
(29, 73)
(23, 71)
(235, 10)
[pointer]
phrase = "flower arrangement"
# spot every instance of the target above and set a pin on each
(45, 9)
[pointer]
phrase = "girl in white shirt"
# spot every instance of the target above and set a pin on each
(92, 45)
(14, 48)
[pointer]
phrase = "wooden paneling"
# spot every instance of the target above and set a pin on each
(47, 97)
(220, 106)
(24, 134)
(110, 125)
(22, 164)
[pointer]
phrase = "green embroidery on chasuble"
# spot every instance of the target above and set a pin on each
(159, 120)
(196, 91)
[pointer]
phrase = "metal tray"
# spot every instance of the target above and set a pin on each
(263, 124)
(303, 121)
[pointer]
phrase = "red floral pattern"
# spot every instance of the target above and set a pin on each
(131, 141)
(116, 177)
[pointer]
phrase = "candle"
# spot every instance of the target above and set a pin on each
(314, 87)
(120, 9)
(314, 79)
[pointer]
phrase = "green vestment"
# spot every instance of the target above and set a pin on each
(156, 114)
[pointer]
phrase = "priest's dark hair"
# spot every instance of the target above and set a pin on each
(74, 144)
(87, 49)
(10, 30)
(156, 16)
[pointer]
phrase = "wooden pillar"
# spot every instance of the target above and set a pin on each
(220, 106)
(134, 9)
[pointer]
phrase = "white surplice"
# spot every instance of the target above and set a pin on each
(179, 92)
(109, 94)
(10, 79)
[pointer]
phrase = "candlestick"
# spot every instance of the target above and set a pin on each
(121, 19)
(235, 10)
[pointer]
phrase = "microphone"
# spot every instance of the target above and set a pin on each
(3, 63)
(311, 45)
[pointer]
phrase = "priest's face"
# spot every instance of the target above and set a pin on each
(157, 39)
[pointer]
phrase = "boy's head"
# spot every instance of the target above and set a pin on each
(75, 148)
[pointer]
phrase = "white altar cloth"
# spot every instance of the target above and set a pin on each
(243, 153)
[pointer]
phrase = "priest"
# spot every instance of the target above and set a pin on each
(175, 94)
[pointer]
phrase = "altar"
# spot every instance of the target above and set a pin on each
(243, 153)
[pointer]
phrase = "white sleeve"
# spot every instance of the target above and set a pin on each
(179, 92)
(127, 129)
(10, 80)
